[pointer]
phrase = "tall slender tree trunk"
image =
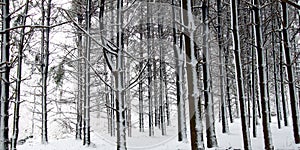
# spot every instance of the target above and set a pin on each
(4, 115)
(120, 83)
(225, 127)
(15, 134)
(78, 9)
(150, 98)
(239, 74)
(193, 91)
(179, 55)
(278, 111)
(209, 111)
(86, 128)
(141, 96)
(45, 65)
(290, 74)
(162, 91)
(262, 75)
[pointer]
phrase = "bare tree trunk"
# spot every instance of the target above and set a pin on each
(278, 113)
(4, 115)
(193, 91)
(141, 96)
(262, 74)
(209, 111)
(15, 135)
(179, 55)
(290, 74)
(119, 77)
(162, 91)
(239, 74)
(86, 128)
(45, 64)
(150, 98)
(225, 127)
(253, 92)
(78, 9)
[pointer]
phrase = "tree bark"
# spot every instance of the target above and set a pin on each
(15, 135)
(193, 91)
(290, 74)
(225, 128)
(4, 114)
(239, 74)
(262, 74)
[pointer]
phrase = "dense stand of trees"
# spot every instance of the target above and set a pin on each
(150, 59)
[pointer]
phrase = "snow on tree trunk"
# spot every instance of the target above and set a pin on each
(208, 105)
(120, 83)
(179, 61)
(4, 115)
(192, 80)
(239, 74)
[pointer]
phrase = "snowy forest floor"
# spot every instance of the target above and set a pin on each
(282, 139)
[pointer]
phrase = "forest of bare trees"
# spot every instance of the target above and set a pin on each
(122, 68)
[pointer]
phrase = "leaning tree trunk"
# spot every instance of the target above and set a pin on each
(193, 91)
(262, 75)
(4, 115)
(239, 74)
(290, 74)
(15, 135)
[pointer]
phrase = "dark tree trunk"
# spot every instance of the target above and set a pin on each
(208, 106)
(262, 74)
(225, 127)
(239, 75)
(290, 74)
(4, 115)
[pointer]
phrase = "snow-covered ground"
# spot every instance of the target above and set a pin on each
(282, 139)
